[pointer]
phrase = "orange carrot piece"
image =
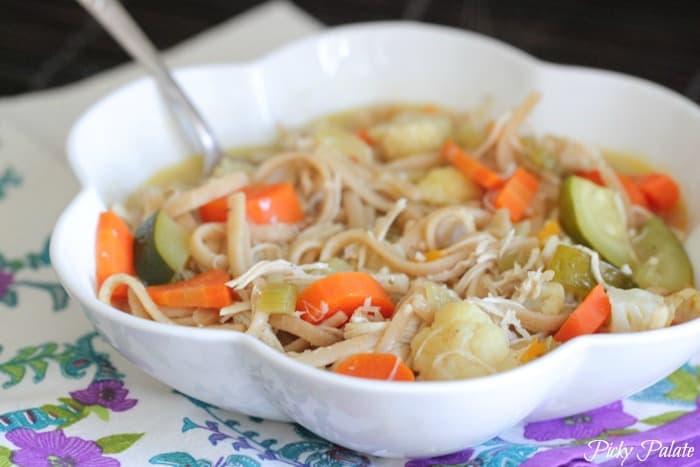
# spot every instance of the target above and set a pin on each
(593, 176)
(633, 190)
(384, 366)
(114, 249)
(629, 183)
(536, 349)
(268, 204)
(471, 167)
(207, 290)
(662, 192)
(588, 317)
(265, 204)
(518, 193)
(342, 291)
(214, 211)
(364, 136)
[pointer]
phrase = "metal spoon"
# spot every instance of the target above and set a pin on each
(119, 23)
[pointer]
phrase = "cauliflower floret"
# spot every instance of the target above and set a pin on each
(446, 185)
(637, 310)
(550, 300)
(333, 139)
(411, 133)
(461, 343)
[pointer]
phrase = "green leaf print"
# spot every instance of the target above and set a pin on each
(9, 178)
(67, 413)
(236, 460)
(33, 357)
(620, 432)
(663, 418)
(686, 386)
(101, 412)
(117, 443)
(5, 457)
(10, 298)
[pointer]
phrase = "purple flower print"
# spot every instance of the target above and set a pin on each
(108, 393)
(55, 449)
(456, 458)
(581, 426)
(5, 282)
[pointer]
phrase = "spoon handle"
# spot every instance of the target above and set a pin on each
(117, 21)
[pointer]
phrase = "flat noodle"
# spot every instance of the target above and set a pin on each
(206, 258)
(505, 156)
(136, 307)
(184, 202)
(228, 326)
(336, 320)
(390, 337)
(238, 235)
(258, 323)
(269, 338)
(324, 356)
(389, 255)
(139, 292)
(315, 335)
(297, 345)
(205, 317)
(177, 312)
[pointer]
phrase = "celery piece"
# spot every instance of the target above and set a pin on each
(277, 297)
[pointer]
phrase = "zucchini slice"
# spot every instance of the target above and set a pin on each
(591, 215)
(663, 261)
(160, 249)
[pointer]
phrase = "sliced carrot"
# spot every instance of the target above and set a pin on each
(518, 193)
(633, 190)
(536, 349)
(629, 183)
(214, 211)
(662, 192)
(588, 317)
(592, 175)
(265, 204)
(364, 136)
(207, 290)
(470, 166)
(384, 366)
(268, 204)
(114, 249)
(342, 291)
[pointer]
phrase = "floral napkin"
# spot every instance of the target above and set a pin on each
(67, 399)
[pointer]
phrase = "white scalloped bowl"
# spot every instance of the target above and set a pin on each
(126, 137)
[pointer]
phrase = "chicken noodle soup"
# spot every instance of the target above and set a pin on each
(404, 242)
